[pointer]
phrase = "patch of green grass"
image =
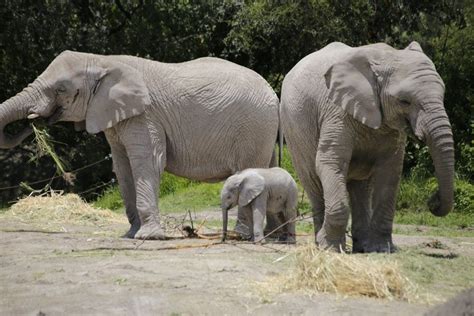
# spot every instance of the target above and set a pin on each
(304, 227)
(432, 231)
(195, 198)
(171, 184)
(111, 198)
(441, 276)
(287, 164)
(120, 281)
(454, 219)
(216, 224)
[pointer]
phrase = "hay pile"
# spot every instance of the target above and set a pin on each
(55, 208)
(316, 271)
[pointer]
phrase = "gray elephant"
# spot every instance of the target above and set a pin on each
(346, 113)
(195, 119)
(260, 193)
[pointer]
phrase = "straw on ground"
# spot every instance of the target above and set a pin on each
(315, 271)
(55, 208)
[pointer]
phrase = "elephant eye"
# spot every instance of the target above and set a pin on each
(404, 102)
(60, 89)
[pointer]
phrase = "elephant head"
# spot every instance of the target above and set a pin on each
(78, 87)
(378, 85)
(239, 189)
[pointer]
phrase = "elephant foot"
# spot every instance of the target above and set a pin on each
(358, 247)
(287, 239)
(150, 230)
(327, 243)
(380, 246)
(359, 243)
(134, 228)
(243, 231)
(259, 240)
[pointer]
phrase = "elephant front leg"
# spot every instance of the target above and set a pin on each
(259, 211)
(336, 202)
(135, 137)
(386, 180)
(243, 226)
(123, 171)
(361, 213)
(127, 187)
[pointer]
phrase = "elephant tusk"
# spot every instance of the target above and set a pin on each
(32, 116)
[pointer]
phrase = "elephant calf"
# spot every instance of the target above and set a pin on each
(259, 193)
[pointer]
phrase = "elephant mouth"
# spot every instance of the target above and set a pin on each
(411, 133)
(54, 117)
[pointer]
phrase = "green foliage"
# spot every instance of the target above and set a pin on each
(110, 199)
(412, 208)
(464, 197)
(199, 197)
(414, 192)
(287, 163)
(170, 184)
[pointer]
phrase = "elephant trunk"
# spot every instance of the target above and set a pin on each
(439, 138)
(224, 223)
(14, 109)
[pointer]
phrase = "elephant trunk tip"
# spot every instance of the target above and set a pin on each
(7, 142)
(224, 224)
(437, 208)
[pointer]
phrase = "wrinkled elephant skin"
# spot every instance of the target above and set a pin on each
(195, 119)
(345, 115)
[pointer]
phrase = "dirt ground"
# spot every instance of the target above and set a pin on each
(83, 271)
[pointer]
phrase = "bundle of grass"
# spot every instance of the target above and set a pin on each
(316, 271)
(55, 208)
(44, 147)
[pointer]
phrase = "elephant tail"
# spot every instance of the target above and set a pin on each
(280, 137)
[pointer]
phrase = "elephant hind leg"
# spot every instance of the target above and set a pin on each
(361, 212)
(386, 180)
(314, 192)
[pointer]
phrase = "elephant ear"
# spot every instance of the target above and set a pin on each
(251, 187)
(118, 93)
(352, 85)
(415, 47)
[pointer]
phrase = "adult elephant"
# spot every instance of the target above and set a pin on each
(346, 113)
(204, 119)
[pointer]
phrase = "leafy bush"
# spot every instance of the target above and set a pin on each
(110, 199)
(171, 184)
(414, 193)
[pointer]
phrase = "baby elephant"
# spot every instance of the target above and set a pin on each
(259, 193)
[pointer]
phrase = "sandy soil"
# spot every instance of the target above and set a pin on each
(82, 272)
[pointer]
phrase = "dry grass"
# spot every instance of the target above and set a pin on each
(315, 271)
(55, 208)
(45, 147)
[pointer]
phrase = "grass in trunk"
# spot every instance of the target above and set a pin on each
(44, 145)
